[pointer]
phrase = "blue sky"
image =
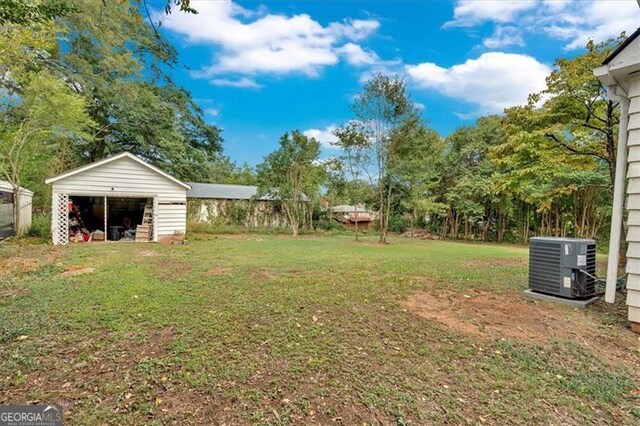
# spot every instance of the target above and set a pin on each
(259, 69)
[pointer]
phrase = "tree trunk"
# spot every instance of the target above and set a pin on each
(384, 222)
(355, 228)
(466, 227)
(17, 221)
(445, 224)
(525, 226)
(292, 213)
(455, 230)
(485, 225)
(500, 227)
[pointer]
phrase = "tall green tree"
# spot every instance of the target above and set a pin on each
(290, 171)
(116, 62)
(547, 177)
(28, 12)
(225, 170)
(418, 170)
(380, 109)
(334, 180)
(352, 140)
(467, 181)
(39, 113)
(560, 154)
(578, 117)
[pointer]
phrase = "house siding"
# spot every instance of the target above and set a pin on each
(127, 177)
(633, 203)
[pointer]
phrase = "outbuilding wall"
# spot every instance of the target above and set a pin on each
(246, 213)
(25, 209)
(126, 177)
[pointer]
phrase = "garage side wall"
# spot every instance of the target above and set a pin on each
(127, 177)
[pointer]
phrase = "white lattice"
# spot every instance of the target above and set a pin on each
(60, 216)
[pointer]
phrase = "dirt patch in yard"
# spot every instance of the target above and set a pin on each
(481, 314)
(27, 259)
(9, 293)
(218, 271)
(261, 275)
(423, 279)
(17, 266)
(147, 253)
(158, 345)
(267, 397)
(74, 270)
(167, 268)
(486, 314)
(72, 374)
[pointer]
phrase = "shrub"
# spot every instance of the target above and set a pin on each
(40, 226)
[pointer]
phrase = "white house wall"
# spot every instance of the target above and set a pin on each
(630, 55)
(126, 177)
(633, 203)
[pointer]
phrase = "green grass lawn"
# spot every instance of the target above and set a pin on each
(321, 330)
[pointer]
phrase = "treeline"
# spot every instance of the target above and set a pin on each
(83, 80)
(545, 168)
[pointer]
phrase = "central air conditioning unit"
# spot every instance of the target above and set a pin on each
(563, 267)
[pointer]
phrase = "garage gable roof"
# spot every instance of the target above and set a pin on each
(107, 160)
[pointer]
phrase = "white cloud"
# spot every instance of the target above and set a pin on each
(249, 42)
(213, 112)
(325, 136)
(596, 19)
(491, 82)
(468, 13)
(355, 55)
(243, 82)
(573, 21)
(555, 5)
(503, 37)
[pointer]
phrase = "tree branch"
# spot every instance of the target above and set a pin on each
(575, 151)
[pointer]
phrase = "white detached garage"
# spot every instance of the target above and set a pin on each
(113, 198)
